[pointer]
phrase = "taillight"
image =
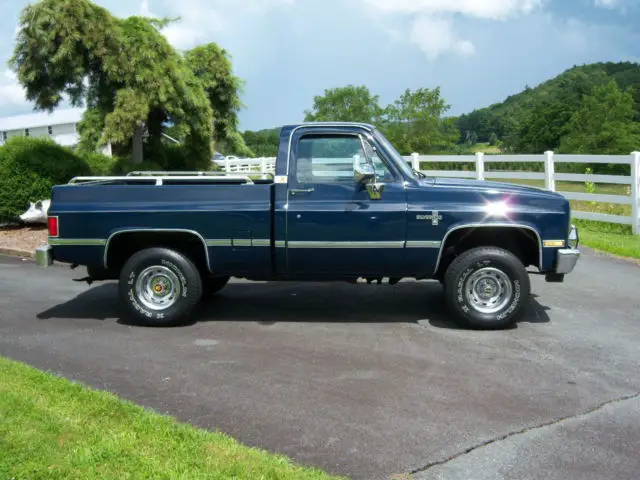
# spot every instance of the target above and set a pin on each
(53, 226)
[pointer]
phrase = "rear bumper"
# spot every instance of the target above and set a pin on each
(44, 256)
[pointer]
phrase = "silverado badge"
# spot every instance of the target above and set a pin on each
(435, 217)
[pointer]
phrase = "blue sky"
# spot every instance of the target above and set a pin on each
(287, 51)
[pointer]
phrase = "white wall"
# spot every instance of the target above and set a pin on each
(63, 133)
(38, 132)
(65, 129)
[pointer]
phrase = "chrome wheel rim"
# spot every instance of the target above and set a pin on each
(158, 288)
(488, 290)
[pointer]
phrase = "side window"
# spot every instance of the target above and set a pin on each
(331, 159)
(328, 159)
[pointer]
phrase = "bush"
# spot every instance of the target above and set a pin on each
(99, 164)
(177, 157)
(29, 168)
(123, 165)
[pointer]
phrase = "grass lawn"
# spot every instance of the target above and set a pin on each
(51, 428)
(616, 239)
(486, 148)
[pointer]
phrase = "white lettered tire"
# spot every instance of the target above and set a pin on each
(159, 287)
(487, 288)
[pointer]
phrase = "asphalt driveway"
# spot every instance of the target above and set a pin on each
(366, 381)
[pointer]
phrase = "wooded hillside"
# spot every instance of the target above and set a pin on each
(540, 118)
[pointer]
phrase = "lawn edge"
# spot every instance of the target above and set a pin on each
(147, 411)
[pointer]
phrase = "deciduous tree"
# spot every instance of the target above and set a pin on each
(604, 124)
(348, 104)
(415, 123)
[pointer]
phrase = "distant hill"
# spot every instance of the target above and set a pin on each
(547, 107)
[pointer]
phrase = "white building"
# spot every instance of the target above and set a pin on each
(60, 126)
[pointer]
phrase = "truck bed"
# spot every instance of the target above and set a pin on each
(231, 216)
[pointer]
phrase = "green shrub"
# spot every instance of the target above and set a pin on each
(123, 165)
(99, 164)
(172, 157)
(29, 168)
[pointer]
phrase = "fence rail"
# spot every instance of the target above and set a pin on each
(479, 162)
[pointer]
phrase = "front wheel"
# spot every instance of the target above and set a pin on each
(159, 287)
(487, 288)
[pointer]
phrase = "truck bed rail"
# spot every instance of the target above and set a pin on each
(161, 177)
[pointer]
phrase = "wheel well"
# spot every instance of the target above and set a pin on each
(123, 245)
(522, 242)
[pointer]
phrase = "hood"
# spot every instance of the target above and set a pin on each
(495, 187)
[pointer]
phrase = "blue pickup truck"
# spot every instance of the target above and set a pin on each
(342, 205)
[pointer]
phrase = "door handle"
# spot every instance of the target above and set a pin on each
(295, 191)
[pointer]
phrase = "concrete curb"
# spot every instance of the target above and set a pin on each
(14, 252)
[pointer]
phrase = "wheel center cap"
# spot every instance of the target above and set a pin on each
(486, 289)
(160, 287)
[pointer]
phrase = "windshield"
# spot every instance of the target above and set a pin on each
(399, 159)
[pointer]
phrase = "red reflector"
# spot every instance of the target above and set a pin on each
(53, 226)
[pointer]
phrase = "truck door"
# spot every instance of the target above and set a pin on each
(333, 226)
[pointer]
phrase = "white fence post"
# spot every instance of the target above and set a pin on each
(549, 172)
(227, 165)
(480, 166)
(635, 192)
(415, 161)
(263, 164)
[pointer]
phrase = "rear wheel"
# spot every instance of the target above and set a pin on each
(487, 288)
(159, 287)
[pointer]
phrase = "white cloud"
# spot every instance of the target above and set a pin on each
(431, 22)
(435, 36)
(11, 92)
(203, 20)
(488, 9)
(606, 3)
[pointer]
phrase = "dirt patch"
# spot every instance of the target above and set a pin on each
(23, 238)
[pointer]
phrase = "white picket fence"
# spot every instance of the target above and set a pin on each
(549, 176)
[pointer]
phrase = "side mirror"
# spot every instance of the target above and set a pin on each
(364, 173)
(375, 190)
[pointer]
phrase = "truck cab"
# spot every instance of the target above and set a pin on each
(342, 204)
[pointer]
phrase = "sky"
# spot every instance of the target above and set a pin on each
(288, 51)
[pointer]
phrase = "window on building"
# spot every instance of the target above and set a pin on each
(50, 130)
(26, 132)
(4, 136)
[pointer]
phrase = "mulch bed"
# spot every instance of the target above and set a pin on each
(23, 238)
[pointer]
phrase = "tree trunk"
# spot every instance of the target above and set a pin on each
(137, 155)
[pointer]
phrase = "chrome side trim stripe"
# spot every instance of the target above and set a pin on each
(77, 241)
(265, 242)
(424, 244)
(261, 242)
(219, 243)
(240, 242)
(315, 244)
